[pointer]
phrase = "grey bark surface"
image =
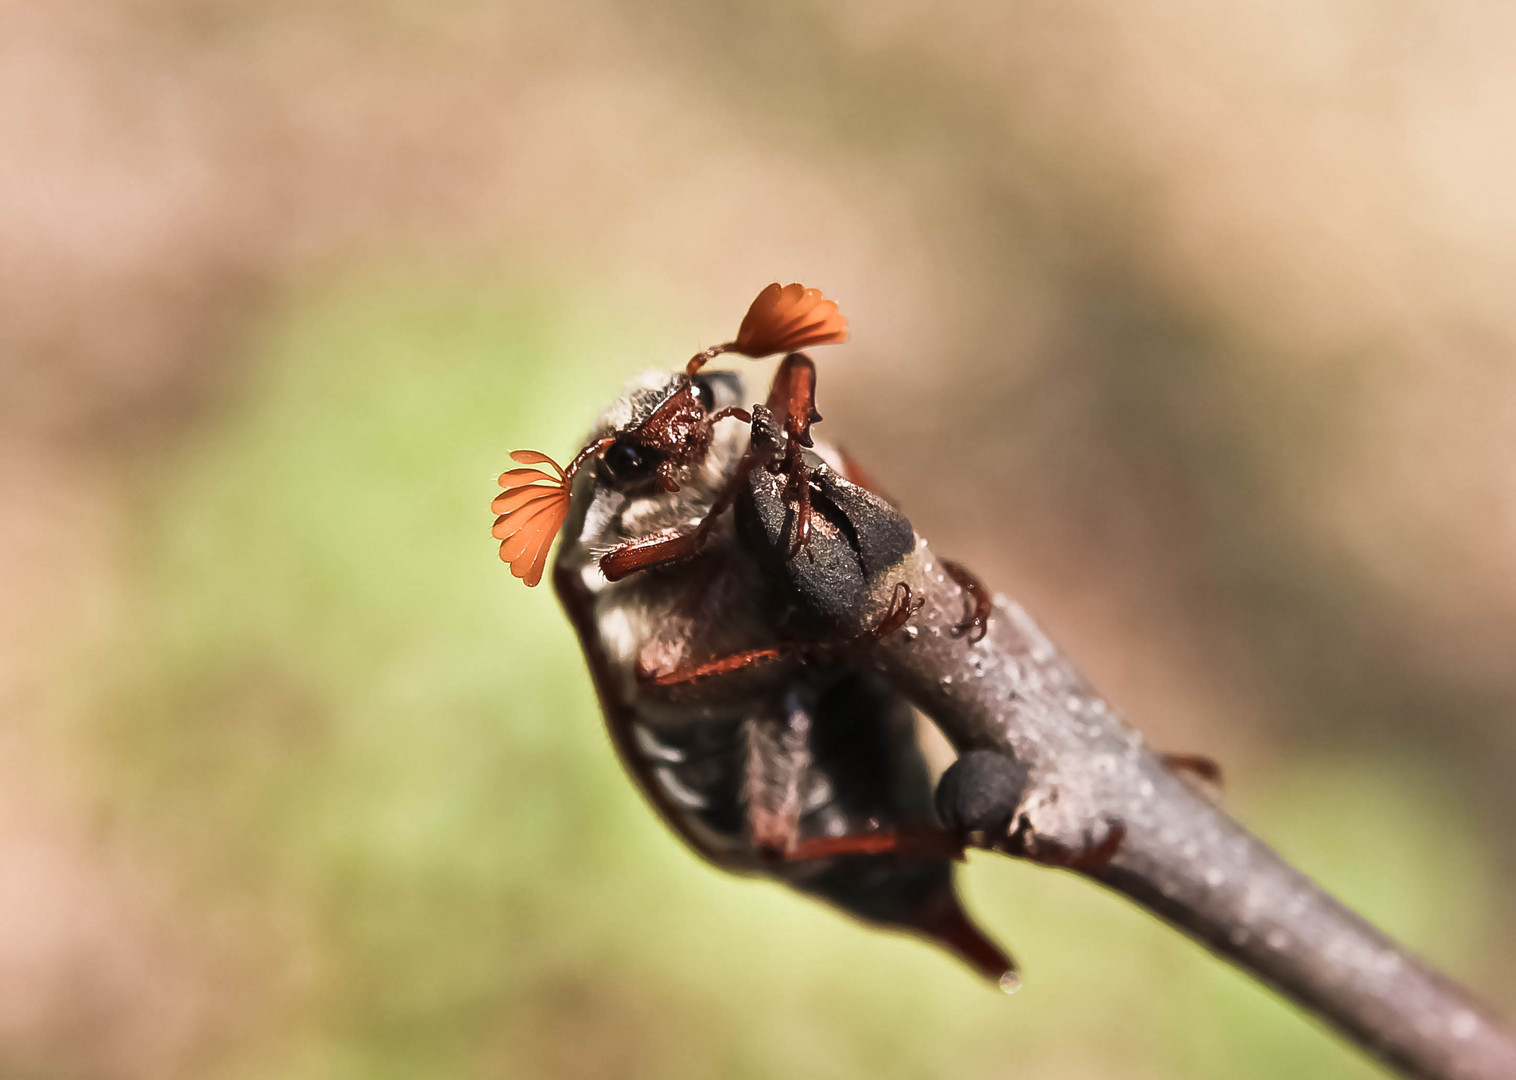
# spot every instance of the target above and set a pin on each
(1182, 858)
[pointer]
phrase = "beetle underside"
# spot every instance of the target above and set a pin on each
(728, 578)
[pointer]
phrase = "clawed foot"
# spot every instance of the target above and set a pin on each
(977, 624)
(903, 605)
(1090, 858)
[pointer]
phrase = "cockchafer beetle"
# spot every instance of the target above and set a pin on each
(726, 574)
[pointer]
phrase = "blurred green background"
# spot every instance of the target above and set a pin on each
(1188, 326)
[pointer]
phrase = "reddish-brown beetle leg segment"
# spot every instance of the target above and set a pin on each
(792, 399)
(923, 843)
(1198, 773)
(721, 665)
(661, 549)
(902, 607)
(656, 550)
(978, 622)
(1090, 859)
(797, 491)
(1196, 764)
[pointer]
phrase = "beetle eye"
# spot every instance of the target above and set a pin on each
(627, 462)
(704, 393)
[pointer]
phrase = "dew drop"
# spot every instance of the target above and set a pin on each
(911, 633)
(1010, 982)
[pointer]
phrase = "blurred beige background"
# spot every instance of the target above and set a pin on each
(1189, 325)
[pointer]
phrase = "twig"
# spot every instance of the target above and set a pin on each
(1181, 858)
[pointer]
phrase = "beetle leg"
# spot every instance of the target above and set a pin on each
(923, 843)
(778, 755)
(1196, 764)
(902, 607)
(659, 549)
(797, 490)
(1089, 859)
(792, 398)
(978, 621)
(1198, 773)
(721, 665)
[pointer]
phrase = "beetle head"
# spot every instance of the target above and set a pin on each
(667, 432)
(664, 461)
(654, 441)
